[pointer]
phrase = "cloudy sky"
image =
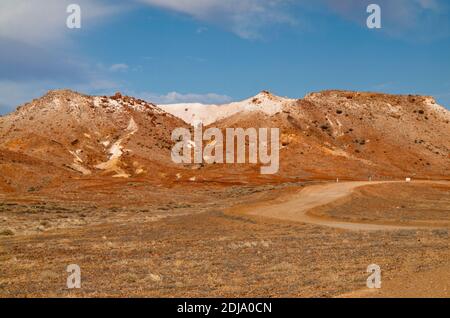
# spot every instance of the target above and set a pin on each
(215, 51)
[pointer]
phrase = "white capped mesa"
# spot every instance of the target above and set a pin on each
(264, 102)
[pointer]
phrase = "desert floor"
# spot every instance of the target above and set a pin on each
(289, 240)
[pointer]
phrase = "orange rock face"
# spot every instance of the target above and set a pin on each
(327, 135)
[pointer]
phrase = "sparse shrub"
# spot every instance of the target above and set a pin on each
(6, 232)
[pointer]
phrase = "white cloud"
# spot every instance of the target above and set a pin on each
(428, 4)
(118, 67)
(13, 94)
(39, 22)
(201, 30)
(407, 19)
(174, 98)
(250, 19)
(36, 48)
(246, 18)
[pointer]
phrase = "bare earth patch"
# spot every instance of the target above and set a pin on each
(406, 203)
(207, 252)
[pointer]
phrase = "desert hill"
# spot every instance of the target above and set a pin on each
(67, 134)
(357, 135)
(326, 135)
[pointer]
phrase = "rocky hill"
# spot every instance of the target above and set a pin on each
(344, 134)
(67, 134)
(327, 135)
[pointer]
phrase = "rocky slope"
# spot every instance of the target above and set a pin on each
(332, 134)
(67, 134)
(341, 134)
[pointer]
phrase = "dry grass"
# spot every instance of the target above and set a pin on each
(209, 254)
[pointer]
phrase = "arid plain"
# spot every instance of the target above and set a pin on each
(89, 181)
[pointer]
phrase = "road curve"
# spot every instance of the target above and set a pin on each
(296, 206)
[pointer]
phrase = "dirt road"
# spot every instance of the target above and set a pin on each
(295, 207)
(184, 244)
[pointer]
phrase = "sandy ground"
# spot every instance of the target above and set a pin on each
(207, 246)
(296, 207)
(431, 283)
(412, 205)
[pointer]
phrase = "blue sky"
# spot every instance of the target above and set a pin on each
(216, 51)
